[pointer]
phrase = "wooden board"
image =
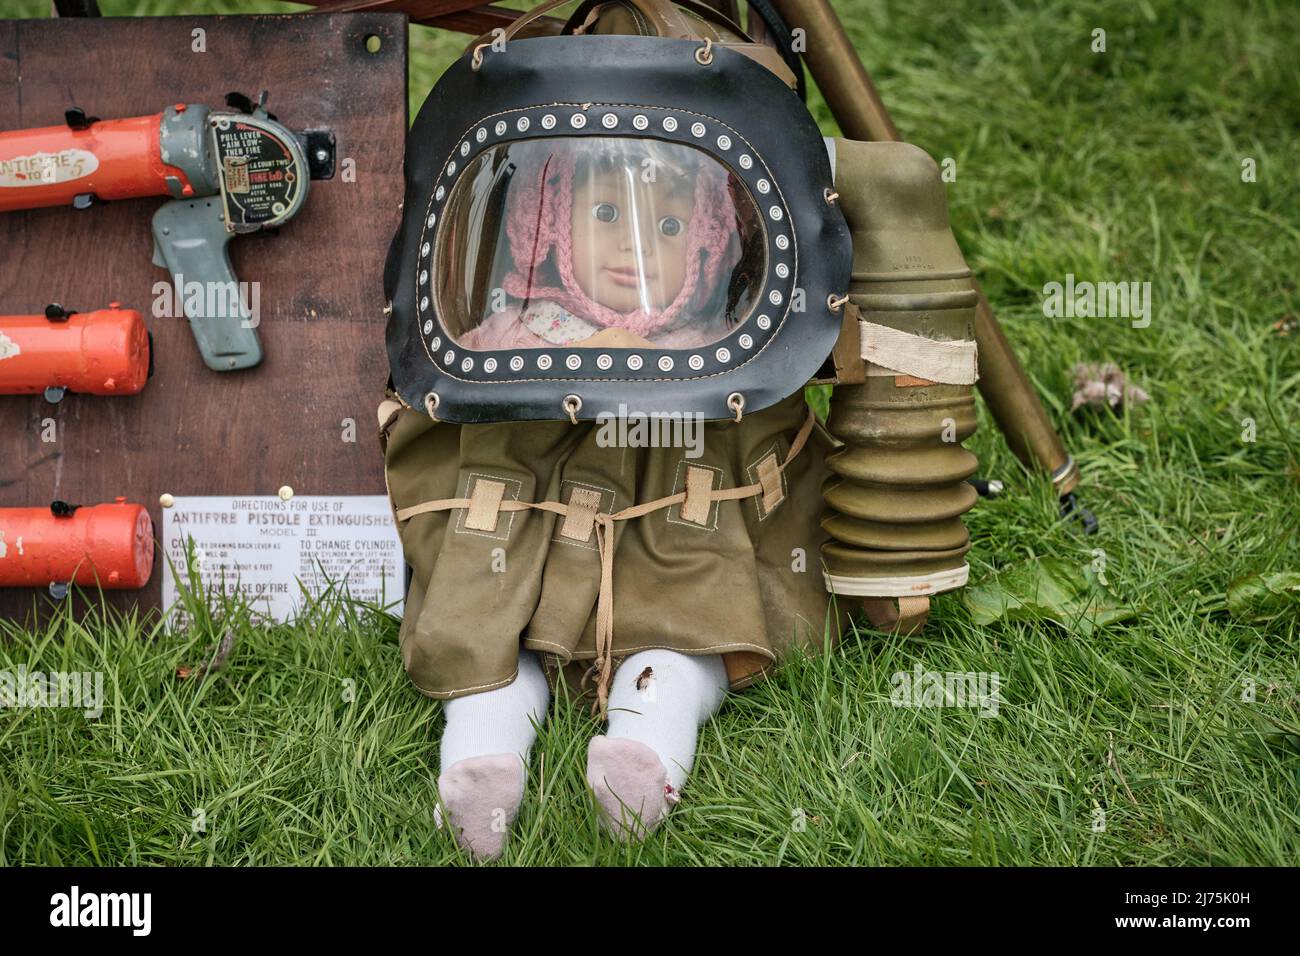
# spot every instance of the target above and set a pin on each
(193, 431)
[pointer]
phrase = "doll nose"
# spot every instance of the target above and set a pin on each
(643, 241)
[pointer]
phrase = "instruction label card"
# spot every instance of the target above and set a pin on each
(272, 551)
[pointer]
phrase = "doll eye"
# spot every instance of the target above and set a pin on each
(670, 226)
(605, 211)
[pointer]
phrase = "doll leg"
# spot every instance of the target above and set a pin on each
(641, 764)
(485, 748)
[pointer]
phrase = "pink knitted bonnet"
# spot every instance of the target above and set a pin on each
(539, 221)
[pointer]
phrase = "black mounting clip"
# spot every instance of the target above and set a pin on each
(57, 313)
(319, 146)
(243, 104)
(77, 119)
(239, 101)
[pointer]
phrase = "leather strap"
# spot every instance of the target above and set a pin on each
(654, 11)
(666, 17)
(538, 11)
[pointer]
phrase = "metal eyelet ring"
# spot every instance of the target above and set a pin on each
(572, 404)
(835, 302)
(830, 195)
(476, 60)
(704, 55)
(431, 404)
(736, 402)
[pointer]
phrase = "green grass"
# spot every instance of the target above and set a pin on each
(1116, 166)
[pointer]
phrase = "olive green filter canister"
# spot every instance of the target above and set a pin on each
(897, 488)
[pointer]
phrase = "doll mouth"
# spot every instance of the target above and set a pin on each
(626, 277)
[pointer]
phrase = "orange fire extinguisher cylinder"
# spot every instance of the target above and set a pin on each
(108, 546)
(105, 352)
(113, 159)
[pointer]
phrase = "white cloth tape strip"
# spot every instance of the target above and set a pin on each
(951, 363)
(909, 585)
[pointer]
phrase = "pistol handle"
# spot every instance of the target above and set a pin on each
(191, 242)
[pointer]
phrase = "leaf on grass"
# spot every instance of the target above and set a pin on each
(1263, 597)
(1050, 589)
(218, 661)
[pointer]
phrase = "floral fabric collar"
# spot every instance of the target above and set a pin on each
(548, 320)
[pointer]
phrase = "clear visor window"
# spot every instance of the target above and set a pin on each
(597, 242)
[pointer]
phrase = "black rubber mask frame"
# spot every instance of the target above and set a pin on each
(733, 109)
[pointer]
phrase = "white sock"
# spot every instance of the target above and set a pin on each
(678, 695)
(497, 721)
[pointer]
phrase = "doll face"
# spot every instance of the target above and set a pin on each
(626, 241)
(629, 237)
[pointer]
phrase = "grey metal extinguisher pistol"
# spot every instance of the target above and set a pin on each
(248, 173)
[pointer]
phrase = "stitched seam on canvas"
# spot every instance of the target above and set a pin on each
(698, 652)
(458, 690)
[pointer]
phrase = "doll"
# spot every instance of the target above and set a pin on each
(623, 244)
